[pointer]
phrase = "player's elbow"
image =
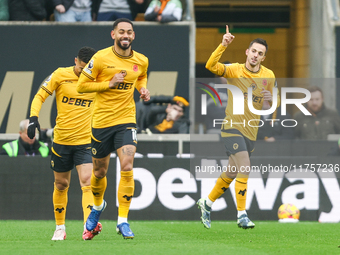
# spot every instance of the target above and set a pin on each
(210, 67)
(80, 88)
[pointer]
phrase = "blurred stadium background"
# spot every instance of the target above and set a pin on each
(303, 38)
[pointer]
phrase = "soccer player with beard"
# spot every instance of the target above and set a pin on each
(237, 134)
(114, 73)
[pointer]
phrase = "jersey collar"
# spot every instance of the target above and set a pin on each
(121, 56)
(250, 70)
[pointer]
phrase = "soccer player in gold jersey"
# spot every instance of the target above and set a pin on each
(72, 138)
(114, 73)
(237, 135)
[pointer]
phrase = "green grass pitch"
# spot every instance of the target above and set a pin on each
(161, 237)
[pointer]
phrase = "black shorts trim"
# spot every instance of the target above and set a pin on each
(107, 140)
(65, 157)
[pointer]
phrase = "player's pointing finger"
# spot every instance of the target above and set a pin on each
(227, 29)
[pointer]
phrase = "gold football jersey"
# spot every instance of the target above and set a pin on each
(113, 106)
(73, 123)
(239, 76)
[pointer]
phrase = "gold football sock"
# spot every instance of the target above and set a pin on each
(222, 184)
(87, 201)
(241, 193)
(60, 202)
(125, 192)
(98, 187)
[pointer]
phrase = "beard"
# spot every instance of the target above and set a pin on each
(315, 108)
(123, 47)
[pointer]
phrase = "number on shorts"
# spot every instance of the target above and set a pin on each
(134, 135)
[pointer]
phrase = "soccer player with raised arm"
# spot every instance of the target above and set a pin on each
(72, 138)
(114, 73)
(237, 135)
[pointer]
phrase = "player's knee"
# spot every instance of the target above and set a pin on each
(85, 181)
(100, 172)
(126, 167)
(61, 184)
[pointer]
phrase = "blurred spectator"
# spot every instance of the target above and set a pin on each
(72, 10)
(24, 145)
(27, 10)
(271, 130)
(164, 11)
(49, 6)
(4, 15)
(321, 123)
(110, 10)
(163, 114)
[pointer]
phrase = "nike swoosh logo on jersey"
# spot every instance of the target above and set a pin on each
(30, 124)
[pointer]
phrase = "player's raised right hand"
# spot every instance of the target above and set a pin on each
(227, 37)
(32, 125)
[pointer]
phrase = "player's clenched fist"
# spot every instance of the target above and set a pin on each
(227, 37)
(118, 78)
(32, 125)
(144, 94)
(267, 95)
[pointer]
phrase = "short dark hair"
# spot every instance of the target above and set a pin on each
(117, 21)
(260, 41)
(85, 54)
(312, 89)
